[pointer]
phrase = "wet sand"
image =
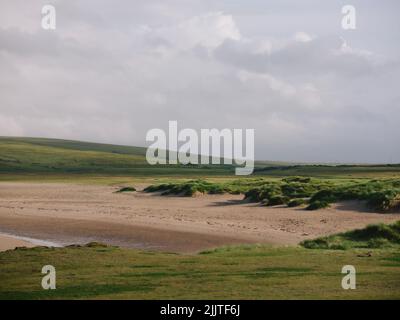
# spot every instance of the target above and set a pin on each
(72, 213)
(10, 243)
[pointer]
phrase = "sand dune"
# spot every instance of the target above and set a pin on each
(72, 213)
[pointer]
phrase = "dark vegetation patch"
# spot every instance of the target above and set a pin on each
(93, 244)
(126, 189)
(296, 202)
(317, 204)
(85, 290)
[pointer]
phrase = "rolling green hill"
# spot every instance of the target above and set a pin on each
(77, 145)
(42, 155)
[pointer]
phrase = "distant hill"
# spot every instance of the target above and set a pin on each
(78, 145)
(42, 155)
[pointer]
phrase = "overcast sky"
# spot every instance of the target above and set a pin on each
(112, 70)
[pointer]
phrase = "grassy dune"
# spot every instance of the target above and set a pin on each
(373, 236)
(380, 194)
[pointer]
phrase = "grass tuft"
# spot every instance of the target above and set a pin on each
(126, 189)
(372, 236)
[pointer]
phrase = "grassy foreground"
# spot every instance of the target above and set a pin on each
(246, 272)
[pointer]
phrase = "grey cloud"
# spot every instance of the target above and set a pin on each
(110, 72)
(317, 57)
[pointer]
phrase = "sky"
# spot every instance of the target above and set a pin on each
(113, 70)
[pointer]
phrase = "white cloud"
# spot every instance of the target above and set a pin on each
(208, 30)
(302, 37)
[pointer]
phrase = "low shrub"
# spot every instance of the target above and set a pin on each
(126, 189)
(384, 200)
(189, 188)
(275, 200)
(317, 204)
(297, 179)
(325, 195)
(378, 243)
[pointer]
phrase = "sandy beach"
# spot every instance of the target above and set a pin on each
(10, 243)
(72, 213)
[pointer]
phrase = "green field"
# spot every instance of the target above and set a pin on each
(247, 272)
(243, 272)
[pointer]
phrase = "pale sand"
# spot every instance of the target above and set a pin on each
(9, 243)
(68, 213)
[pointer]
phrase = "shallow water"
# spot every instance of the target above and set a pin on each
(65, 241)
(36, 242)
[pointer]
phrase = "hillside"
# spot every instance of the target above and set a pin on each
(42, 155)
(77, 145)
